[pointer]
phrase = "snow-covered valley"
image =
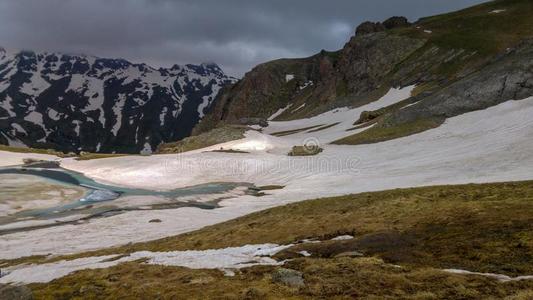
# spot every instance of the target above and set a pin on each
(491, 145)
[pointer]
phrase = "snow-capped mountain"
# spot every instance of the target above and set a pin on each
(83, 103)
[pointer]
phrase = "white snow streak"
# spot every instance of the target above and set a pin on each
(500, 277)
(279, 112)
(227, 258)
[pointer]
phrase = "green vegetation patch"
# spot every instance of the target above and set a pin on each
(324, 127)
(230, 151)
(91, 156)
(378, 133)
(215, 136)
(270, 187)
(294, 131)
(31, 150)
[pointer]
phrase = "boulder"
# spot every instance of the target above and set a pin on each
(369, 27)
(306, 150)
(253, 121)
(372, 27)
(15, 292)
(367, 116)
(42, 164)
(288, 277)
(396, 22)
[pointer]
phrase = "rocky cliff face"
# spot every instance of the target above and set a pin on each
(357, 73)
(82, 103)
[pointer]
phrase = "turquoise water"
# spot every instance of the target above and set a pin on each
(99, 193)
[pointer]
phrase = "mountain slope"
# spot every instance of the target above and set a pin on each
(83, 103)
(460, 62)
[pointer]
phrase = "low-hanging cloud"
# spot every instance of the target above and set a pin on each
(236, 34)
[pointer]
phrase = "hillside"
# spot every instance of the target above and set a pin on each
(74, 103)
(460, 62)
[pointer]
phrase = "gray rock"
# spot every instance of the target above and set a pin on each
(253, 121)
(396, 22)
(288, 277)
(367, 116)
(11, 292)
(373, 27)
(369, 27)
(41, 164)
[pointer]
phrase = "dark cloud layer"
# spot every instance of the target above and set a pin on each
(236, 34)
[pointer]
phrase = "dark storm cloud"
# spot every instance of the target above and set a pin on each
(236, 34)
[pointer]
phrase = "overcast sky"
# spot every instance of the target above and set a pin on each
(236, 34)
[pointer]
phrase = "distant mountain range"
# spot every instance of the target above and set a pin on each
(83, 103)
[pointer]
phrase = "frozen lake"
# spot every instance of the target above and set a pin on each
(37, 198)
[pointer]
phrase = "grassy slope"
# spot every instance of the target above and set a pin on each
(30, 150)
(481, 34)
(215, 136)
(378, 134)
(487, 228)
(91, 156)
(84, 156)
(479, 30)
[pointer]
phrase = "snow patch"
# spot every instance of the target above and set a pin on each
(306, 84)
(147, 150)
(499, 277)
(117, 110)
(224, 259)
(298, 108)
(279, 112)
(35, 118)
(289, 77)
(343, 238)
(77, 125)
(53, 114)
(206, 100)
(7, 105)
(37, 83)
(409, 105)
(19, 128)
(162, 116)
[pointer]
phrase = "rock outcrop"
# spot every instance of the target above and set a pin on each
(373, 27)
(288, 277)
(357, 73)
(12, 292)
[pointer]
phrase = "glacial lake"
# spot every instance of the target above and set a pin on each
(100, 199)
